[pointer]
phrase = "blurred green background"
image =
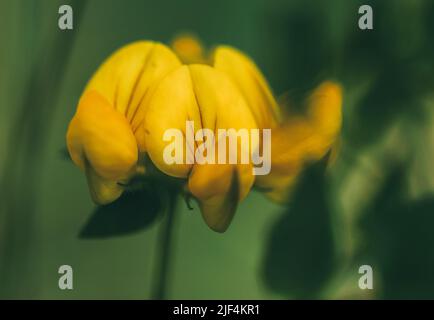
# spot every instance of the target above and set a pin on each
(374, 206)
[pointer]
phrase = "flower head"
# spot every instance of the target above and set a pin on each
(145, 88)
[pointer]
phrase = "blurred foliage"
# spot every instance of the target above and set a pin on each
(374, 205)
(399, 239)
(300, 255)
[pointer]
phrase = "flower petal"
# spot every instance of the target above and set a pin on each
(303, 139)
(250, 81)
(172, 104)
(217, 190)
(100, 137)
(103, 191)
(188, 48)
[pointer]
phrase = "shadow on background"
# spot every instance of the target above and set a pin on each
(300, 254)
(399, 238)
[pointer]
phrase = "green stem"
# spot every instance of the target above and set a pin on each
(164, 252)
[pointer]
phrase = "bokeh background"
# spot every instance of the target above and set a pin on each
(374, 206)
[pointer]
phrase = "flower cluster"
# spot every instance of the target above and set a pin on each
(146, 87)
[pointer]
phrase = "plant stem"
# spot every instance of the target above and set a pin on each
(164, 252)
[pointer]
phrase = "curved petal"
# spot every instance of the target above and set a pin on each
(127, 78)
(217, 190)
(101, 138)
(250, 81)
(172, 104)
(303, 139)
(103, 191)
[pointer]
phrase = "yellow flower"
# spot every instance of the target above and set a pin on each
(144, 89)
(107, 128)
(209, 98)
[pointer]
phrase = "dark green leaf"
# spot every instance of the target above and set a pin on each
(132, 212)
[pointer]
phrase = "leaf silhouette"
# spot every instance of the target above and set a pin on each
(132, 212)
(300, 255)
(399, 238)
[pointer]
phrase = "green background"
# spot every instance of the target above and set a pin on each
(374, 206)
